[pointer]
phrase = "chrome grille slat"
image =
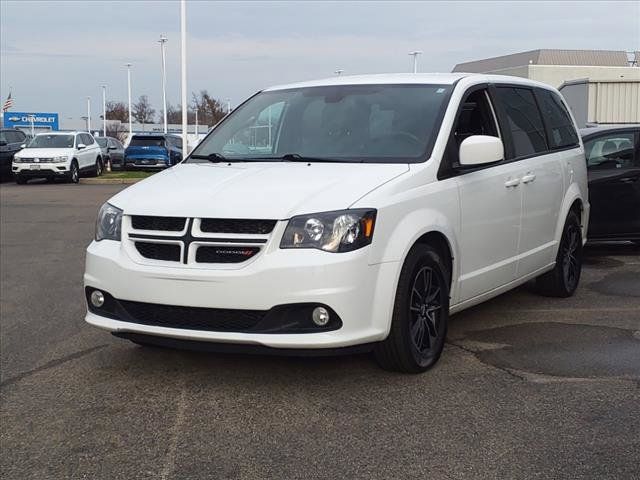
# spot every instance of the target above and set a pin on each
(185, 240)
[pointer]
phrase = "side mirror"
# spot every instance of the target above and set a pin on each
(81, 146)
(480, 150)
(112, 148)
(24, 145)
(2, 143)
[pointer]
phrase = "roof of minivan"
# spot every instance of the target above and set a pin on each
(405, 78)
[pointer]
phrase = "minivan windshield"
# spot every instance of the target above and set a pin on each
(340, 123)
(51, 141)
(140, 141)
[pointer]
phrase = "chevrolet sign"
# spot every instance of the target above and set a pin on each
(26, 119)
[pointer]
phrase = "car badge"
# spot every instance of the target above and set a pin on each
(36, 160)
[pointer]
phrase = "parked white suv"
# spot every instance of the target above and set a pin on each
(54, 155)
(348, 213)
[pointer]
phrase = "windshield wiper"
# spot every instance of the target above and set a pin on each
(296, 157)
(212, 157)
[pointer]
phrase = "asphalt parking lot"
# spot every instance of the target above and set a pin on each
(528, 387)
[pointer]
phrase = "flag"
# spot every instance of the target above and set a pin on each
(8, 104)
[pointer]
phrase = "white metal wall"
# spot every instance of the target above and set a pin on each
(617, 102)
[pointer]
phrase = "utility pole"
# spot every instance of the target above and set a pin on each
(415, 54)
(128, 65)
(183, 68)
(162, 41)
(104, 110)
(89, 114)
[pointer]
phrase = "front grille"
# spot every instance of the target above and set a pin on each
(168, 224)
(192, 318)
(159, 251)
(218, 254)
(40, 160)
(230, 225)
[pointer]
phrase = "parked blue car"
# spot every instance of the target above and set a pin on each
(153, 151)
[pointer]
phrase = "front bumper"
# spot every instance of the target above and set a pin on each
(37, 170)
(360, 294)
(147, 161)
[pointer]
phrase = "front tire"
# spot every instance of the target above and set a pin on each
(563, 280)
(420, 315)
(20, 180)
(97, 171)
(74, 173)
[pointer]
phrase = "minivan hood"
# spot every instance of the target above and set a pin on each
(254, 190)
(44, 152)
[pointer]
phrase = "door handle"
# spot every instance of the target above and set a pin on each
(629, 179)
(529, 177)
(513, 182)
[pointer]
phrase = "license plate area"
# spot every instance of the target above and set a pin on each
(34, 167)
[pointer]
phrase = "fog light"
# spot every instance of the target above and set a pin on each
(320, 316)
(97, 298)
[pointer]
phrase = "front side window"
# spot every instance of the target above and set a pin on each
(342, 123)
(51, 141)
(560, 130)
(523, 121)
(612, 151)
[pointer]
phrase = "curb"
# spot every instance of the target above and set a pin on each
(109, 181)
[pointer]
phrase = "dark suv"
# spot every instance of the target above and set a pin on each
(153, 151)
(112, 151)
(11, 141)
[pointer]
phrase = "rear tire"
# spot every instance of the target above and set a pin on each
(563, 280)
(420, 314)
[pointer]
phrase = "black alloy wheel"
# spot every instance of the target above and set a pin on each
(563, 280)
(420, 316)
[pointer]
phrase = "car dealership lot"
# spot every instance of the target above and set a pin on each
(528, 387)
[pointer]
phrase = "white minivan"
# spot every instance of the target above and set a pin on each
(353, 213)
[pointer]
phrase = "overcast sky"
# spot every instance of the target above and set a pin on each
(54, 54)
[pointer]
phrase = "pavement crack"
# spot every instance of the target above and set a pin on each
(170, 459)
(51, 364)
(509, 372)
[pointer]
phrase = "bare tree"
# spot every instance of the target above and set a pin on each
(116, 129)
(210, 110)
(174, 115)
(142, 110)
(117, 111)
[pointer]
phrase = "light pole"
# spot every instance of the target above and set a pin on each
(228, 106)
(415, 54)
(162, 41)
(183, 68)
(89, 114)
(128, 65)
(104, 110)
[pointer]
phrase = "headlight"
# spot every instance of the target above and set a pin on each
(60, 159)
(109, 223)
(341, 231)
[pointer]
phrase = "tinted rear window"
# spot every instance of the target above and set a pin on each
(561, 132)
(524, 121)
(101, 141)
(147, 142)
